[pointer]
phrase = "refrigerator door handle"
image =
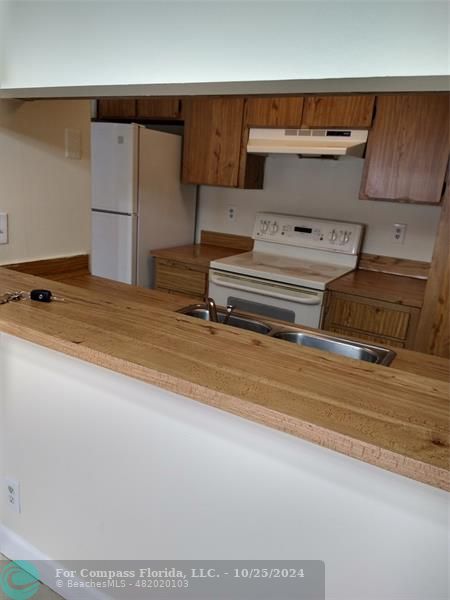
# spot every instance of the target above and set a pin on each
(112, 212)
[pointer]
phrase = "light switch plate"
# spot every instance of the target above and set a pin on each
(3, 228)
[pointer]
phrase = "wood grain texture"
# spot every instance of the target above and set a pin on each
(338, 111)
(167, 107)
(199, 255)
(425, 365)
(407, 149)
(48, 267)
(433, 333)
(393, 419)
(116, 108)
(227, 240)
(382, 286)
(394, 266)
(212, 141)
(275, 111)
(181, 278)
(365, 316)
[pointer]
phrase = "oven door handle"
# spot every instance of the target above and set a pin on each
(298, 298)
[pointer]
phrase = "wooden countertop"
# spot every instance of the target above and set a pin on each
(195, 254)
(395, 419)
(382, 286)
(370, 284)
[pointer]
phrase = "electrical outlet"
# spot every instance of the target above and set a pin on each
(12, 491)
(232, 213)
(3, 228)
(399, 233)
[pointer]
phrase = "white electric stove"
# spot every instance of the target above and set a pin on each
(286, 274)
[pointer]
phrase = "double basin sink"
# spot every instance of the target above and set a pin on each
(337, 345)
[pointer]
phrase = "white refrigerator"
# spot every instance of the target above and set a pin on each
(138, 203)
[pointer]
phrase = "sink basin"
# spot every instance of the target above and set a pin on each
(348, 348)
(235, 320)
(341, 346)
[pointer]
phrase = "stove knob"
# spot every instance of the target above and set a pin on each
(274, 227)
(264, 226)
(342, 235)
(333, 236)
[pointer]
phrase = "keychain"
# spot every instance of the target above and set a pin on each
(35, 295)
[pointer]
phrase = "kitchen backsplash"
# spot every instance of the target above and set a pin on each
(325, 189)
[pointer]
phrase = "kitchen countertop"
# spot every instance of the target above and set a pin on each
(382, 286)
(390, 417)
(370, 284)
(196, 254)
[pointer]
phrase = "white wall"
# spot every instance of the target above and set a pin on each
(112, 468)
(165, 42)
(324, 189)
(46, 195)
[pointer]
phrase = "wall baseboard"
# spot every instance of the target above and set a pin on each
(49, 267)
(15, 547)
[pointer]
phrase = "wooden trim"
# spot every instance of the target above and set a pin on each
(394, 266)
(226, 240)
(48, 267)
(433, 334)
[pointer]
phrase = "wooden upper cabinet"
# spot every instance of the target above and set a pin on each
(159, 108)
(212, 141)
(273, 112)
(116, 108)
(354, 112)
(408, 148)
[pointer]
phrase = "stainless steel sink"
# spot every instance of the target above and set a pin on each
(234, 320)
(336, 345)
(349, 348)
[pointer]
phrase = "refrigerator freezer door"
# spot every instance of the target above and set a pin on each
(114, 151)
(166, 207)
(113, 252)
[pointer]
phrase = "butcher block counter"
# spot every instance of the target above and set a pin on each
(407, 291)
(396, 418)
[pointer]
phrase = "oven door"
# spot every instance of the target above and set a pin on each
(269, 298)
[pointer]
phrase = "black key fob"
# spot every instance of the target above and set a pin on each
(41, 295)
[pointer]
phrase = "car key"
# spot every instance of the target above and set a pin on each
(43, 296)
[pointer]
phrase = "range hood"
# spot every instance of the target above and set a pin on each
(307, 142)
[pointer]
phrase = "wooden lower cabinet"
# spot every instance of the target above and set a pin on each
(371, 320)
(181, 278)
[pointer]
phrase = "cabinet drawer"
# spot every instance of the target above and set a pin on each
(366, 315)
(180, 278)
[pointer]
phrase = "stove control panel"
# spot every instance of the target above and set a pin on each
(305, 232)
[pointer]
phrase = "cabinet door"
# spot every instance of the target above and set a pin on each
(159, 108)
(354, 112)
(360, 316)
(407, 150)
(116, 108)
(277, 111)
(180, 278)
(212, 138)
